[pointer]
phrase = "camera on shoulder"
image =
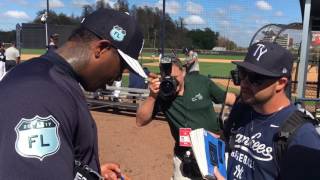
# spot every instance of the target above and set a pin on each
(168, 83)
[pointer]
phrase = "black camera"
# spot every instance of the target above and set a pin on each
(168, 85)
(235, 77)
(189, 166)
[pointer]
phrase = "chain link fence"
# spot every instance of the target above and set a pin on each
(33, 36)
(219, 27)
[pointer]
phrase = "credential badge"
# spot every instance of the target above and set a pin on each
(117, 33)
(37, 137)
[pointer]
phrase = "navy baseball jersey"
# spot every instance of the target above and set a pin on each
(45, 122)
(253, 155)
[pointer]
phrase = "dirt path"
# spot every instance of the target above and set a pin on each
(28, 56)
(144, 153)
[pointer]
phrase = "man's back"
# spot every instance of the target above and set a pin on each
(12, 53)
(43, 120)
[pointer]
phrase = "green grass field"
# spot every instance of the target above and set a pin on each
(33, 51)
(228, 57)
(206, 68)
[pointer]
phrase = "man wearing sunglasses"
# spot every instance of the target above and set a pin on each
(47, 131)
(263, 108)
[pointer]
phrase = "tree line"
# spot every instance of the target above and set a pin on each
(177, 35)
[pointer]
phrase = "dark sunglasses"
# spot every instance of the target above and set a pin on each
(254, 78)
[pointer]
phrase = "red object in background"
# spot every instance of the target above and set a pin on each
(315, 39)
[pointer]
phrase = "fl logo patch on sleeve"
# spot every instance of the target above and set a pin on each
(37, 137)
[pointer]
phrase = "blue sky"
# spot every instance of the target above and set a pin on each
(236, 19)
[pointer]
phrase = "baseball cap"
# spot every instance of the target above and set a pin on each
(54, 36)
(269, 59)
(187, 50)
(122, 31)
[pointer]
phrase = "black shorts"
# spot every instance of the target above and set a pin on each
(10, 64)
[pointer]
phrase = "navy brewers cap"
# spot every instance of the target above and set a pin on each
(269, 59)
(121, 30)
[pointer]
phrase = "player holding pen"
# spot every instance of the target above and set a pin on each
(46, 128)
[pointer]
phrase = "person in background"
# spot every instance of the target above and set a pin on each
(191, 60)
(46, 127)
(136, 81)
(116, 93)
(190, 108)
(12, 56)
(2, 60)
(53, 42)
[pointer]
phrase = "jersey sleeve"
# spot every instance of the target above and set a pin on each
(38, 138)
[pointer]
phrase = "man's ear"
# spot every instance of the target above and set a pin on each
(101, 46)
(282, 83)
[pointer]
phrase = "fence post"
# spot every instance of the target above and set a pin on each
(18, 37)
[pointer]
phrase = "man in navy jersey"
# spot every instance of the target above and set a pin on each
(263, 108)
(47, 131)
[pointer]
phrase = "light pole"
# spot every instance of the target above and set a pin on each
(163, 26)
(44, 19)
(47, 43)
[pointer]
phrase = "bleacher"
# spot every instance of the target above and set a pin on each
(128, 100)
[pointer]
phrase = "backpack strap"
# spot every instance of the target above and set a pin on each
(283, 138)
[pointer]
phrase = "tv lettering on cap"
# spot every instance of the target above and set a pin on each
(269, 59)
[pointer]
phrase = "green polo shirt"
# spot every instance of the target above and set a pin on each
(194, 109)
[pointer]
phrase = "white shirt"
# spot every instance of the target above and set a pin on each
(12, 53)
(195, 67)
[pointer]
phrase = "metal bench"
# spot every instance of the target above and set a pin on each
(128, 98)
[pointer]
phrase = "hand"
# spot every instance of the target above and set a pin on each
(154, 84)
(217, 174)
(110, 171)
(214, 135)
